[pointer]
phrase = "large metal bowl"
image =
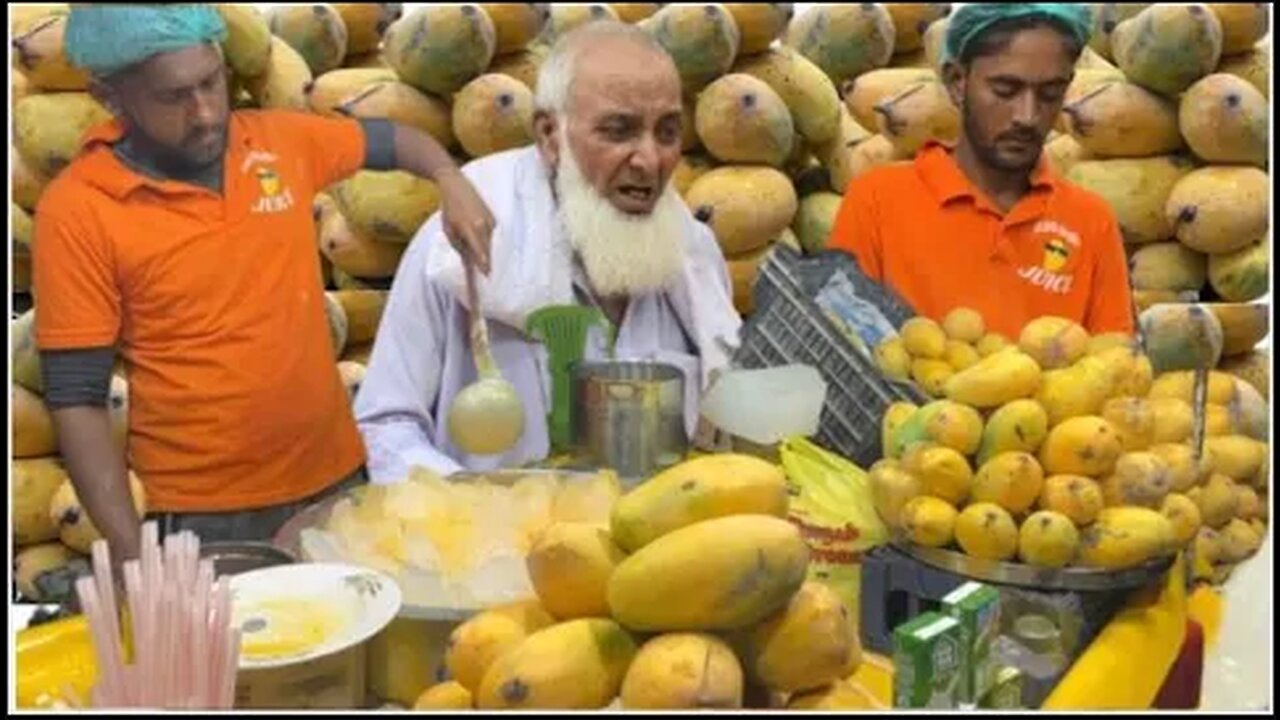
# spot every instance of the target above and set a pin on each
(1076, 579)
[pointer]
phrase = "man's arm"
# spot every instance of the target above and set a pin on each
(467, 221)
(77, 383)
(396, 402)
(77, 326)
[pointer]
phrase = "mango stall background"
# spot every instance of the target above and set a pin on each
(362, 225)
(799, 9)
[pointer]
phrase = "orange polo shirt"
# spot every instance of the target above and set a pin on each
(216, 305)
(925, 230)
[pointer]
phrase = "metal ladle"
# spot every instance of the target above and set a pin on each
(487, 417)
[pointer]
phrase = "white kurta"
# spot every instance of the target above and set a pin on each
(422, 356)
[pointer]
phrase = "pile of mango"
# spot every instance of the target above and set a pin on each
(1168, 122)
(1063, 449)
(693, 595)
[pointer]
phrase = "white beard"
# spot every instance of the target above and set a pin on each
(623, 255)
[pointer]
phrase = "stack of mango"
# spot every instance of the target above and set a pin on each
(1064, 449)
(693, 595)
(1169, 123)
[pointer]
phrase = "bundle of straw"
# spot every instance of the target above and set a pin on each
(185, 650)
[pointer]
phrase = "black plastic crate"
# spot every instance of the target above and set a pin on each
(789, 327)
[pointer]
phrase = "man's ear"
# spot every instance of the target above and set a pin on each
(546, 133)
(954, 78)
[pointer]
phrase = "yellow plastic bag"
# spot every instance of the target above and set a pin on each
(831, 504)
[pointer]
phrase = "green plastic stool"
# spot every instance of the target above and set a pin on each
(563, 330)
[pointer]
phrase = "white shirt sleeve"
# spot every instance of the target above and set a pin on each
(395, 405)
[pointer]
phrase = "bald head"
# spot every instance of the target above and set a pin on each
(618, 49)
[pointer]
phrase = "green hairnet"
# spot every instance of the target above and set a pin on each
(104, 39)
(973, 19)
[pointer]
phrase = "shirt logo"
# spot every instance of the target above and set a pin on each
(1053, 273)
(1056, 254)
(274, 196)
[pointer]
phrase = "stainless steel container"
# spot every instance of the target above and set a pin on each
(629, 416)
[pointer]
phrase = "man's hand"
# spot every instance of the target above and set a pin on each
(465, 218)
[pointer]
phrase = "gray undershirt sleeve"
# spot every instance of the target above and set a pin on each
(379, 144)
(74, 378)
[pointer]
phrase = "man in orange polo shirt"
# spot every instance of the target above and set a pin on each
(182, 238)
(988, 225)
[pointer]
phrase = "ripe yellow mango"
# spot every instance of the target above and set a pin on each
(893, 359)
(1019, 426)
(1011, 480)
(475, 644)
(1140, 479)
(892, 488)
(576, 665)
(700, 489)
(569, 565)
(942, 472)
(1087, 446)
(998, 379)
(1184, 471)
(1180, 385)
(1184, 515)
(683, 671)
(991, 343)
(929, 521)
(943, 422)
(1048, 539)
(985, 530)
(1133, 419)
(1217, 500)
(1173, 420)
(1054, 342)
(961, 355)
(1075, 391)
(1124, 537)
(813, 641)
(965, 325)
(1236, 456)
(722, 574)
(931, 375)
(444, 696)
(1077, 498)
(924, 338)
(894, 417)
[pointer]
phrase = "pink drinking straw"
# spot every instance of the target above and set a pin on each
(200, 627)
(97, 628)
(218, 636)
(105, 585)
(133, 592)
(228, 699)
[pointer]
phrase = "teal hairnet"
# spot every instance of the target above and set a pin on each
(971, 20)
(104, 39)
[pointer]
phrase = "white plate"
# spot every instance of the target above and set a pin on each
(336, 607)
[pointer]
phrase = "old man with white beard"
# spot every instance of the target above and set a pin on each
(586, 216)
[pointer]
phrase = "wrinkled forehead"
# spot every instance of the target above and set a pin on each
(624, 78)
